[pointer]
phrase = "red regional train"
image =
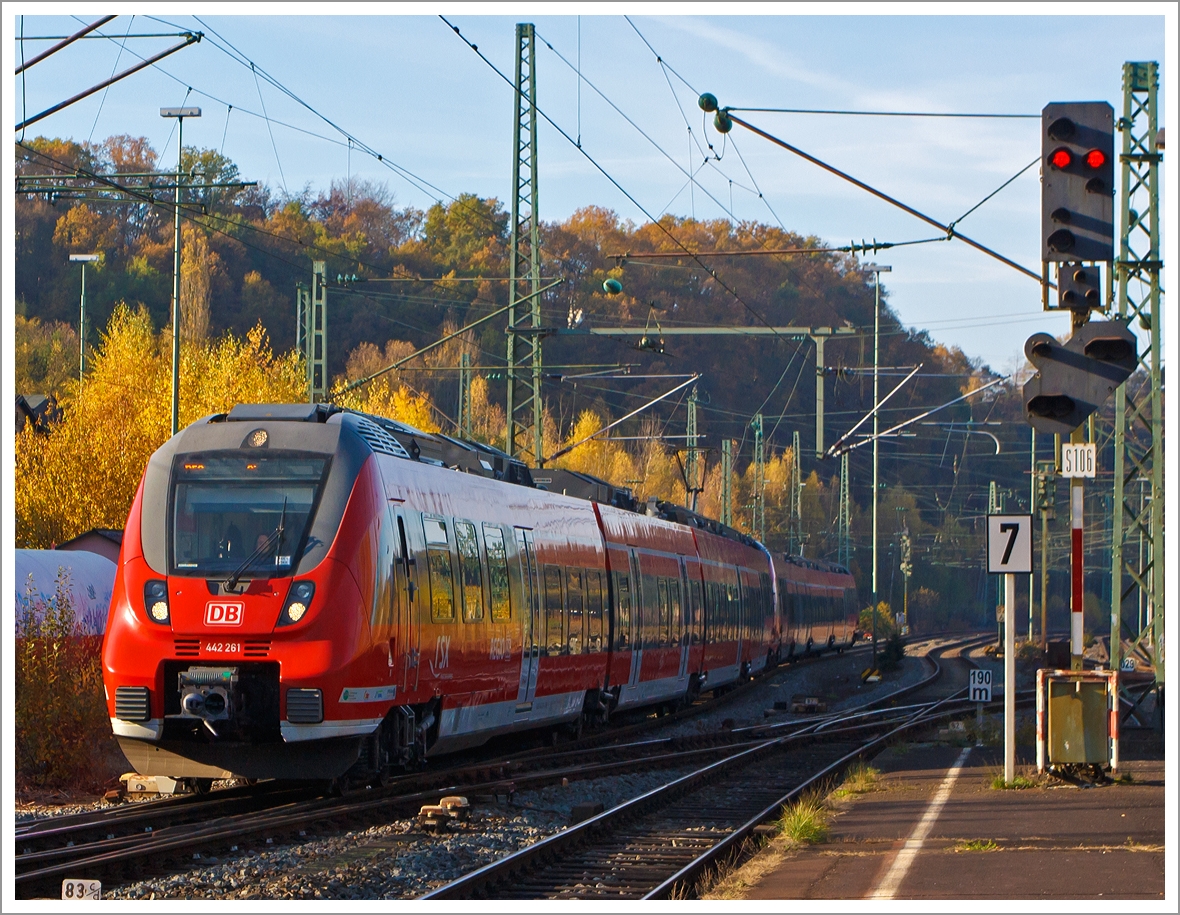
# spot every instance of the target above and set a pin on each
(306, 592)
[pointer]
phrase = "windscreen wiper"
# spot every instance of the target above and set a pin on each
(273, 540)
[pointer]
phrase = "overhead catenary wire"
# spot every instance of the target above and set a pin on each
(886, 197)
(608, 176)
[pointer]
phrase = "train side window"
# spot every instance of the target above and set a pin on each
(385, 591)
(472, 571)
(698, 612)
(493, 539)
(593, 610)
(663, 636)
(677, 611)
(623, 616)
(573, 605)
(650, 621)
(442, 584)
(554, 611)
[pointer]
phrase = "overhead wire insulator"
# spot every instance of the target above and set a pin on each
(707, 102)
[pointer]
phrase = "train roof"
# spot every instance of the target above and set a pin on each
(817, 565)
(399, 439)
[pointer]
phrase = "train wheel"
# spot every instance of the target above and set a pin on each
(201, 785)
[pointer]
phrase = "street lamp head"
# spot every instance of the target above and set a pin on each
(878, 268)
(85, 258)
(180, 112)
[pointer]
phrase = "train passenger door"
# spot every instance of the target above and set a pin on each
(531, 628)
(680, 607)
(637, 611)
(410, 545)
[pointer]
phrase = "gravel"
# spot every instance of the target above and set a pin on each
(399, 860)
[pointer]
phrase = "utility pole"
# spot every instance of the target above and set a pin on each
(877, 270)
(692, 465)
(312, 307)
(727, 482)
(464, 415)
(844, 518)
(524, 415)
(759, 524)
(1139, 300)
(84, 259)
(907, 569)
(1032, 501)
(795, 522)
(1046, 495)
(180, 114)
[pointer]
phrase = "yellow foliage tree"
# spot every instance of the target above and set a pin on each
(598, 457)
(84, 473)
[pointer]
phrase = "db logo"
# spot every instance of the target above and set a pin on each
(224, 613)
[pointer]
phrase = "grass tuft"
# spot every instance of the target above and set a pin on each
(977, 845)
(806, 822)
(1018, 783)
(860, 778)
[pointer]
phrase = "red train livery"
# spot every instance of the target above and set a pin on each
(306, 592)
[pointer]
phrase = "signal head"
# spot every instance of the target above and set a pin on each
(1061, 158)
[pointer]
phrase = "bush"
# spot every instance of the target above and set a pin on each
(62, 728)
(890, 656)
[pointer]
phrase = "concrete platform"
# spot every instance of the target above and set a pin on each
(1049, 842)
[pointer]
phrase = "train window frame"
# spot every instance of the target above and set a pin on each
(594, 603)
(664, 620)
(436, 550)
(623, 609)
(553, 609)
(386, 608)
(499, 588)
(676, 612)
(697, 600)
(575, 609)
(469, 562)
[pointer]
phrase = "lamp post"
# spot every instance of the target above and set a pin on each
(83, 259)
(180, 114)
(876, 270)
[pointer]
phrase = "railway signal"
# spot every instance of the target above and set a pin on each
(1075, 378)
(1077, 184)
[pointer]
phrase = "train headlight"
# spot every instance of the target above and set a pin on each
(298, 600)
(155, 601)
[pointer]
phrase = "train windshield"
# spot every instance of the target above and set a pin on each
(242, 514)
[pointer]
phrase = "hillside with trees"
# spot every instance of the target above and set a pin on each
(399, 278)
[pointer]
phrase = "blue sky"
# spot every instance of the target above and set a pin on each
(406, 86)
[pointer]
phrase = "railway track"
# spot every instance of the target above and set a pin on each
(127, 842)
(658, 845)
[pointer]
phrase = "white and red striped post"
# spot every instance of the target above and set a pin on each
(1042, 685)
(1077, 570)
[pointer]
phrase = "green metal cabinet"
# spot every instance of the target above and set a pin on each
(1078, 722)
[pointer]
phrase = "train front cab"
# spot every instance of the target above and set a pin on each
(239, 625)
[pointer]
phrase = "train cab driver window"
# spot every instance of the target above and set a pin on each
(472, 572)
(442, 585)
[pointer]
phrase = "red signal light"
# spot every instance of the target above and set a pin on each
(1061, 158)
(1095, 158)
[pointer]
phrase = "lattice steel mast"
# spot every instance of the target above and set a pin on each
(1138, 419)
(525, 421)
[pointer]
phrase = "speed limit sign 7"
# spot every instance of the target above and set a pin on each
(1009, 543)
